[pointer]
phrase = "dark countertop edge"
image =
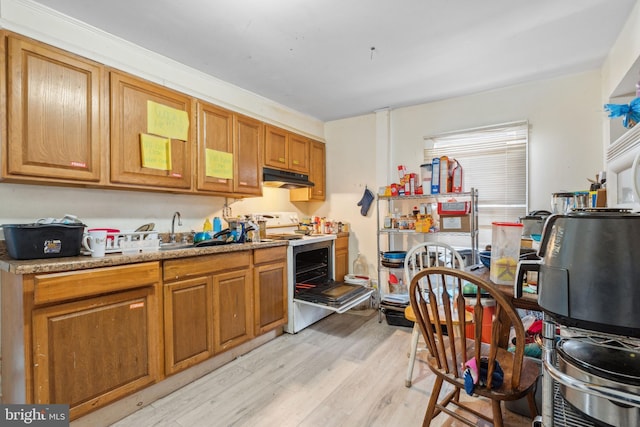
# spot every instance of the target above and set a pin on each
(54, 265)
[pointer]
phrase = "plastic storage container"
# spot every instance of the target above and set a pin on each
(360, 266)
(562, 203)
(34, 241)
(505, 252)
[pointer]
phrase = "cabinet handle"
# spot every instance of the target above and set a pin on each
(281, 159)
(296, 162)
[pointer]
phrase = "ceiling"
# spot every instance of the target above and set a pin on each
(333, 59)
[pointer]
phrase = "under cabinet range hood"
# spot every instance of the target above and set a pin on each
(284, 179)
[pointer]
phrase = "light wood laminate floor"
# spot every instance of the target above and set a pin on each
(346, 370)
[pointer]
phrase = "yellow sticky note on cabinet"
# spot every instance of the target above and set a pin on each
(155, 152)
(167, 121)
(219, 164)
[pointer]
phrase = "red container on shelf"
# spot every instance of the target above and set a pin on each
(453, 207)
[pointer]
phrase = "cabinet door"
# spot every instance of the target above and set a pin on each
(188, 323)
(316, 175)
(248, 140)
(276, 148)
(317, 170)
(270, 290)
(232, 302)
(342, 258)
(299, 153)
(91, 352)
(129, 102)
(56, 112)
(215, 132)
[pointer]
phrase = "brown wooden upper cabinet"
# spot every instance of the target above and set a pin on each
(141, 109)
(299, 153)
(248, 138)
(286, 150)
(215, 134)
(56, 114)
(317, 175)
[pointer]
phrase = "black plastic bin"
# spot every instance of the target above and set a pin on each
(34, 241)
(396, 318)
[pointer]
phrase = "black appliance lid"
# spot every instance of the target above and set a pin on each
(590, 212)
(606, 361)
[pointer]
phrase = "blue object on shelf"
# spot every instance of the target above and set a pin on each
(485, 258)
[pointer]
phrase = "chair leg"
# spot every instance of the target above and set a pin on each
(531, 400)
(456, 395)
(497, 413)
(415, 334)
(433, 400)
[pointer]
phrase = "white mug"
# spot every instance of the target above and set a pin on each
(95, 242)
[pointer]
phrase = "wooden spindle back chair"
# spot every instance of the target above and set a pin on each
(449, 348)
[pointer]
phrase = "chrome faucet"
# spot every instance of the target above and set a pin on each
(172, 236)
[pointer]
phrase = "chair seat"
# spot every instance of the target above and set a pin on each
(530, 373)
(411, 316)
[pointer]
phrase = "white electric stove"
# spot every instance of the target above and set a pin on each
(312, 292)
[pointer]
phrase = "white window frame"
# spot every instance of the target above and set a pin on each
(500, 175)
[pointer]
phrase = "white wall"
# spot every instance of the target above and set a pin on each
(351, 167)
(565, 115)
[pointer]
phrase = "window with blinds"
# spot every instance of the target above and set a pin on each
(494, 161)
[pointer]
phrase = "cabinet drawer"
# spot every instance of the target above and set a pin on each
(261, 256)
(190, 267)
(62, 286)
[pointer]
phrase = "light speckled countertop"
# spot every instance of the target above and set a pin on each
(52, 265)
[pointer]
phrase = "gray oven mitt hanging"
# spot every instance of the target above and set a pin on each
(365, 202)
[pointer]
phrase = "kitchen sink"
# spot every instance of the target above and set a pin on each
(174, 246)
(182, 245)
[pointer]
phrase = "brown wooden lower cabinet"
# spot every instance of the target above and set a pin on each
(342, 257)
(230, 288)
(233, 302)
(96, 350)
(188, 323)
(270, 289)
(89, 352)
(97, 335)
